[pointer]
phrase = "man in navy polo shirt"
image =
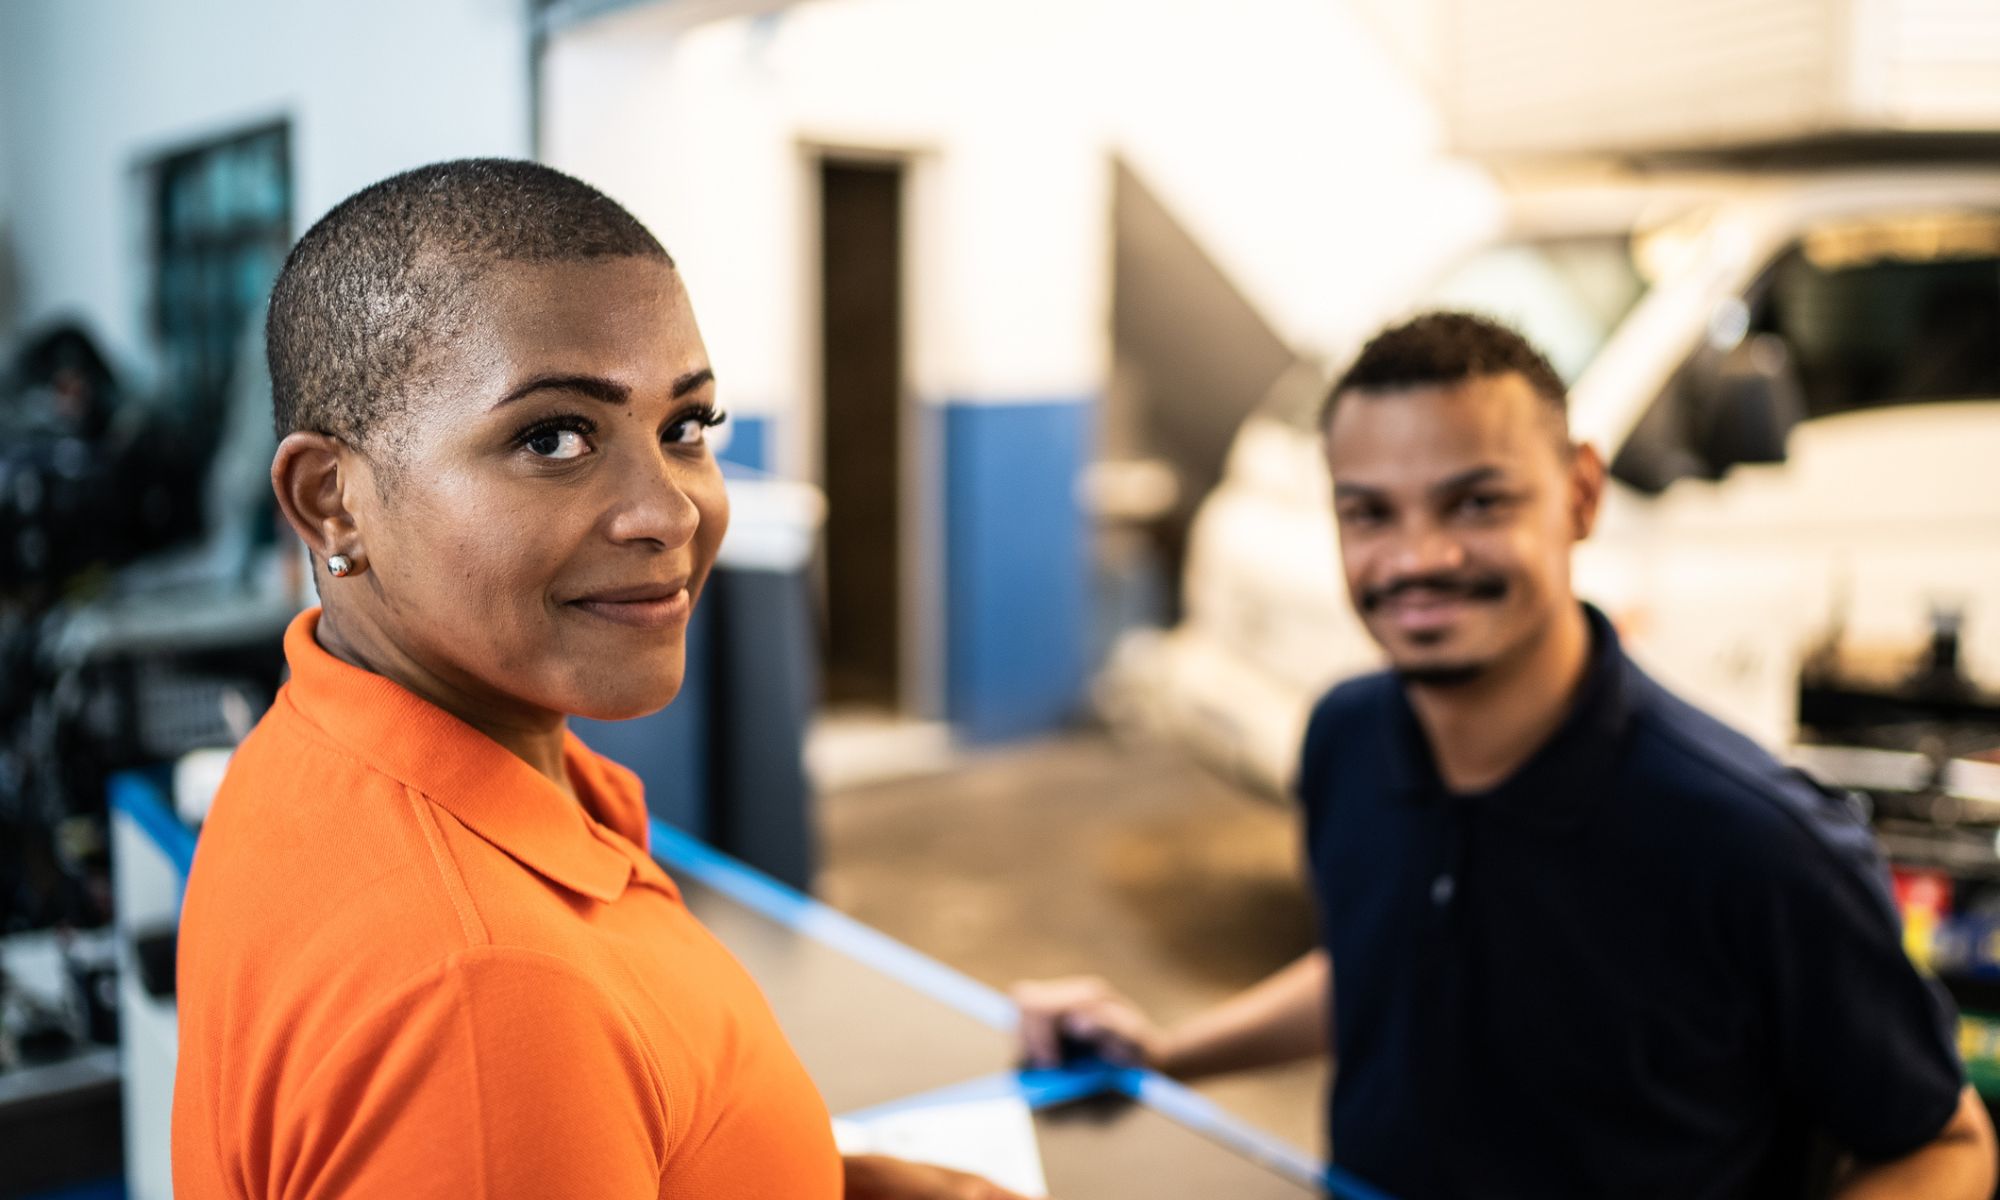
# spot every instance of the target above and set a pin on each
(1589, 941)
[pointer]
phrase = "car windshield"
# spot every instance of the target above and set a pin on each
(1565, 294)
(1856, 315)
(1890, 311)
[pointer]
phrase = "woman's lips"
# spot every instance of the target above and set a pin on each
(661, 610)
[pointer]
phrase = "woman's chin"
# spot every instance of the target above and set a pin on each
(634, 698)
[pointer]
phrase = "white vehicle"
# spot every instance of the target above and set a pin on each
(1796, 378)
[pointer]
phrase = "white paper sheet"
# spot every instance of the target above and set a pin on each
(993, 1138)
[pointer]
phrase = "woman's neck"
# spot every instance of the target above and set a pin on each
(534, 738)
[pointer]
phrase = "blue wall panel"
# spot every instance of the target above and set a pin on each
(1016, 565)
(749, 442)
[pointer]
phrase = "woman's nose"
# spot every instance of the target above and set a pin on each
(655, 506)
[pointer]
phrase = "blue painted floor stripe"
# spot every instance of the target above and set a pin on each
(1038, 1089)
(835, 929)
(1197, 1112)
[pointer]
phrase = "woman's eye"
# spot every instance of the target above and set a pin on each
(556, 444)
(692, 430)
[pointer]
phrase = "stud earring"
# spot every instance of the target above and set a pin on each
(339, 564)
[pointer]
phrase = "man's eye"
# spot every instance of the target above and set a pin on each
(556, 444)
(1363, 515)
(1481, 504)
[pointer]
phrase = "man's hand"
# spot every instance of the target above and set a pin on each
(873, 1177)
(1085, 1009)
(1279, 1020)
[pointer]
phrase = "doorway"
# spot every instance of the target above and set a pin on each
(862, 433)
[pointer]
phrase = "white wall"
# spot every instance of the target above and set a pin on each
(1293, 137)
(90, 90)
(710, 134)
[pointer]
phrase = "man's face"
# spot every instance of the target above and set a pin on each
(553, 508)
(1457, 507)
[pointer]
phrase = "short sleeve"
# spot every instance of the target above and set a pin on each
(1863, 1042)
(503, 1073)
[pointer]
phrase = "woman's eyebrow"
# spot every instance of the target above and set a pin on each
(599, 388)
(691, 381)
(594, 386)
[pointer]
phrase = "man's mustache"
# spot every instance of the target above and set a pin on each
(1449, 586)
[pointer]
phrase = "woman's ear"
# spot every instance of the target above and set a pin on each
(312, 476)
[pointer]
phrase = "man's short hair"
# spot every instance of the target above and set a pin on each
(383, 279)
(1440, 349)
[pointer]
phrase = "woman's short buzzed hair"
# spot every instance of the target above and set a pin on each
(385, 276)
(1439, 349)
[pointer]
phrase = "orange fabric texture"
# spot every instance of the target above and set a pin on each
(411, 967)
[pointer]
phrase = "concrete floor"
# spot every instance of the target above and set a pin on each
(1081, 855)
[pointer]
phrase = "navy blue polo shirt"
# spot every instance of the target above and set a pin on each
(1654, 962)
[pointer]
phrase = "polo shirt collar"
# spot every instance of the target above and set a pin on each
(1572, 772)
(485, 786)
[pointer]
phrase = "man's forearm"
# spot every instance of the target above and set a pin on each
(1957, 1165)
(1281, 1020)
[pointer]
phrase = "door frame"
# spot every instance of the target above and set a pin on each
(920, 467)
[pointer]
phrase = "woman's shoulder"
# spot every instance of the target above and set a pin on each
(314, 871)
(287, 753)
(297, 807)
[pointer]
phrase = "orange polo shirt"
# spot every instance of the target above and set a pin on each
(411, 967)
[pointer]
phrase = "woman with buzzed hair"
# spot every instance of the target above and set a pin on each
(424, 952)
